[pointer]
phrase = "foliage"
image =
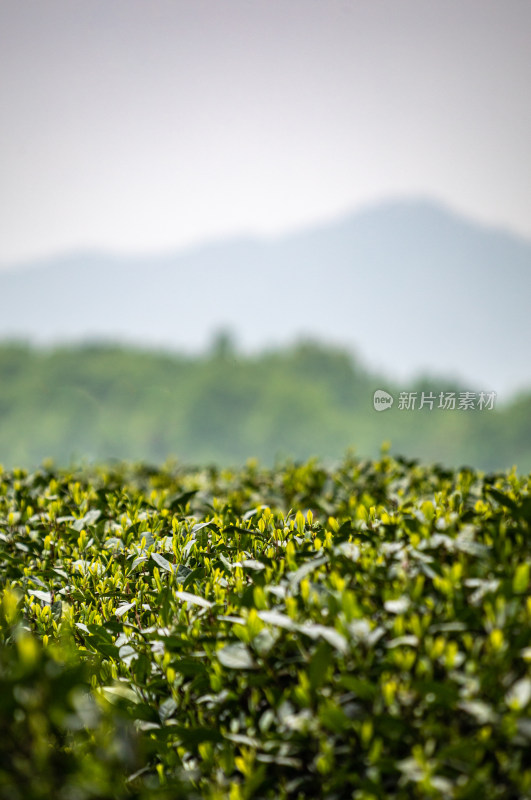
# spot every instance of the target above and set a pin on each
(361, 630)
(99, 402)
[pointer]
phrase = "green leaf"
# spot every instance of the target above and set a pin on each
(251, 563)
(179, 501)
(188, 667)
(278, 619)
(521, 579)
(89, 519)
(124, 608)
(236, 656)
(45, 597)
(330, 635)
(519, 694)
(183, 573)
(307, 569)
(119, 690)
(162, 562)
(167, 709)
(399, 606)
(502, 499)
(319, 664)
(402, 641)
(194, 599)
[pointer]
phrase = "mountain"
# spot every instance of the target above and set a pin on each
(410, 286)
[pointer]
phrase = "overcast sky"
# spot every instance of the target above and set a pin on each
(148, 124)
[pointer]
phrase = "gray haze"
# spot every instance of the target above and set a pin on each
(407, 286)
(139, 126)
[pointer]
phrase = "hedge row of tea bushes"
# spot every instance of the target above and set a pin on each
(356, 631)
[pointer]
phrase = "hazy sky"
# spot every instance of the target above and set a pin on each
(148, 124)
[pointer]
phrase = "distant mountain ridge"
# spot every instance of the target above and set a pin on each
(410, 286)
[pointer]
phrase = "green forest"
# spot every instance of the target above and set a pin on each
(99, 402)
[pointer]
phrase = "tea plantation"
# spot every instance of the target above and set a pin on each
(361, 630)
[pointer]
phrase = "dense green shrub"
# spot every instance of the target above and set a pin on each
(361, 630)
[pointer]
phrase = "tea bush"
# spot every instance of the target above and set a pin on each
(359, 630)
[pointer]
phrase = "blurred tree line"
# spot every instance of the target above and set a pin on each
(102, 401)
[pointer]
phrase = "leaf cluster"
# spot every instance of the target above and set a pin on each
(358, 630)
